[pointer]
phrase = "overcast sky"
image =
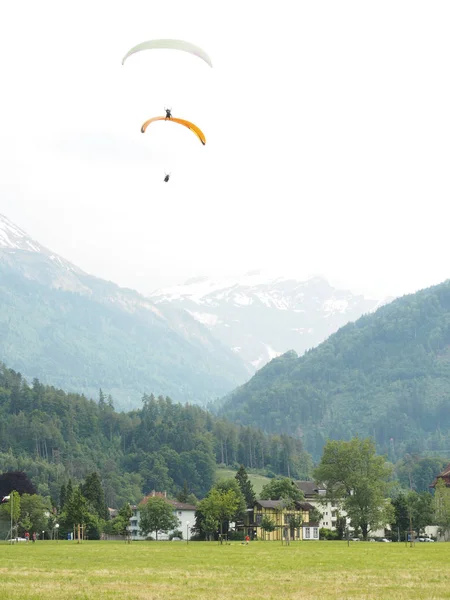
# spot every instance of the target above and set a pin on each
(327, 127)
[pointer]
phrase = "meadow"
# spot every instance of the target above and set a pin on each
(206, 570)
(257, 481)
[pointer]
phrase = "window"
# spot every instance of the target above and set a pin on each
(307, 533)
(316, 533)
(258, 519)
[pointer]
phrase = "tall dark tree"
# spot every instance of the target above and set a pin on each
(183, 495)
(62, 496)
(93, 491)
(246, 486)
(16, 481)
(69, 492)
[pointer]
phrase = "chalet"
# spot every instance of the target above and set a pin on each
(288, 522)
(185, 514)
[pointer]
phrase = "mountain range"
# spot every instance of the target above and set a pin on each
(261, 317)
(194, 343)
(386, 375)
(82, 333)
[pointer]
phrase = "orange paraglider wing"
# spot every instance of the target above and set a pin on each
(147, 123)
(198, 132)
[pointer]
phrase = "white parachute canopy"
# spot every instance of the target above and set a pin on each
(171, 45)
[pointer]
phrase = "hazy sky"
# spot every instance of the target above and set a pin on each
(327, 127)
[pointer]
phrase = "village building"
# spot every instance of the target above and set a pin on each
(315, 495)
(289, 522)
(185, 514)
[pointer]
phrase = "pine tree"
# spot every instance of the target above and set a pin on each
(101, 399)
(62, 496)
(246, 486)
(92, 490)
(69, 492)
(183, 496)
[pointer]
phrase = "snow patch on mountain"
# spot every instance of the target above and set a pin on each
(256, 314)
(199, 288)
(12, 238)
(333, 305)
(205, 318)
(266, 357)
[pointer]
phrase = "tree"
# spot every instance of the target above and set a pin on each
(267, 525)
(246, 486)
(69, 492)
(442, 507)
(413, 509)
(353, 474)
(34, 511)
(62, 496)
(225, 485)
(76, 510)
(93, 491)
(122, 521)
(183, 494)
(417, 472)
(315, 515)
(157, 515)
(282, 487)
(219, 506)
(11, 506)
(16, 480)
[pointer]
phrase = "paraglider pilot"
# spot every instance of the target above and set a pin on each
(166, 178)
(168, 113)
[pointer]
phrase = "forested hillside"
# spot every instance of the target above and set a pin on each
(54, 436)
(81, 333)
(386, 375)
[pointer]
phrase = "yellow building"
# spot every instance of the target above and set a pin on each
(290, 522)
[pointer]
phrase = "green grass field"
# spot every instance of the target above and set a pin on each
(207, 570)
(257, 480)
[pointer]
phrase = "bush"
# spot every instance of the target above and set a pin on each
(328, 534)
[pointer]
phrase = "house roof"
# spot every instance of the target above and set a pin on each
(182, 505)
(309, 488)
(278, 503)
(269, 503)
(445, 475)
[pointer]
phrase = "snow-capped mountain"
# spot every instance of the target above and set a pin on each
(80, 332)
(261, 317)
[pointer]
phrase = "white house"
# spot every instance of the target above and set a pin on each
(185, 514)
(329, 510)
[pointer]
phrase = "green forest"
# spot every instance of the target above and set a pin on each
(385, 375)
(55, 436)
